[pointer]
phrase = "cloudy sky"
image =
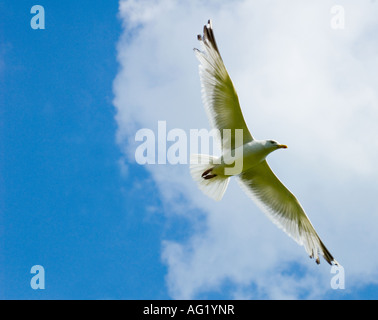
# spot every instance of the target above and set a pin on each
(75, 201)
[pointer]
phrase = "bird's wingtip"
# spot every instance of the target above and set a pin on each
(336, 263)
(208, 36)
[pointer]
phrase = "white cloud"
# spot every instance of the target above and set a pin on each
(299, 82)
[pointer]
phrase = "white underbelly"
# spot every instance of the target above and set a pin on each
(239, 160)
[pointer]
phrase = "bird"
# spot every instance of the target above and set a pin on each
(256, 178)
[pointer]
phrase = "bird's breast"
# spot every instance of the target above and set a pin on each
(241, 159)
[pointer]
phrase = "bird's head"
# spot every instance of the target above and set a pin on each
(274, 145)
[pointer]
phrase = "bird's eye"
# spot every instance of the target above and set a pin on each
(272, 142)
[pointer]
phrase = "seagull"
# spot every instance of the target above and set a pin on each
(255, 177)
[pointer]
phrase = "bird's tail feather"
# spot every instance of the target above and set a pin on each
(216, 186)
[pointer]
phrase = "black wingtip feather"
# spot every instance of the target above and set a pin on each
(208, 36)
(327, 255)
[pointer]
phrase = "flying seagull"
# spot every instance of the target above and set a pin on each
(256, 178)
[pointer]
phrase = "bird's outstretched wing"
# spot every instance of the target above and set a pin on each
(218, 93)
(283, 208)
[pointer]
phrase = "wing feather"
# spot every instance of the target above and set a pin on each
(218, 93)
(283, 208)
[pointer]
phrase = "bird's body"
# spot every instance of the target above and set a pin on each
(254, 174)
(249, 155)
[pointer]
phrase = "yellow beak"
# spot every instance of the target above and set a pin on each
(282, 146)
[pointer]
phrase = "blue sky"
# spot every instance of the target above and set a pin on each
(64, 203)
(73, 200)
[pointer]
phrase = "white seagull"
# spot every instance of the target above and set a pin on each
(256, 178)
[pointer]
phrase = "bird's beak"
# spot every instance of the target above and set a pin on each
(282, 146)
